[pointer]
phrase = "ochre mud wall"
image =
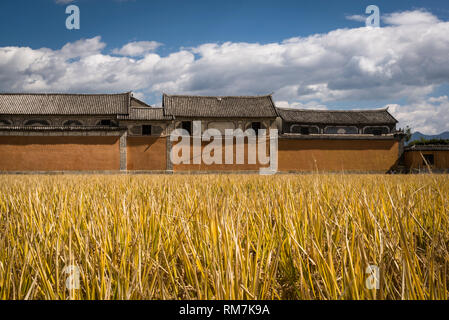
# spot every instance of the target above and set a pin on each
(414, 159)
(222, 167)
(337, 155)
(47, 153)
(90, 153)
(147, 153)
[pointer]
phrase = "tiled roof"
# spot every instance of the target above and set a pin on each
(64, 104)
(139, 110)
(219, 107)
(340, 117)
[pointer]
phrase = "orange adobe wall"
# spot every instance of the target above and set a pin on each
(147, 153)
(69, 153)
(221, 167)
(414, 159)
(337, 155)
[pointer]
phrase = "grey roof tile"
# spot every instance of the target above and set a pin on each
(64, 104)
(142, 113)
(337, 117)
(219, 107)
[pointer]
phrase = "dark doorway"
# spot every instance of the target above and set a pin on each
(187, 125)
(256, 126)
(429, 160)
(146, 130)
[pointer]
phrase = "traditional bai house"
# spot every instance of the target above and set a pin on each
(117, 132)
(345, 140)
(80, 132)
(422, 158)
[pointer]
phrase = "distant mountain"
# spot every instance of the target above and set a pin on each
(418, 135)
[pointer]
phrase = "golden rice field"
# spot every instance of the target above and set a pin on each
(224, 237)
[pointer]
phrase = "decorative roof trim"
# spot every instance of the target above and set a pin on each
(61, 128)
(429, 147)
(336, 137)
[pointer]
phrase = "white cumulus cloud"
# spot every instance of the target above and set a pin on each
(137, 49)
(405, 60)
(410, 18)
(429, 116)
(356, 17)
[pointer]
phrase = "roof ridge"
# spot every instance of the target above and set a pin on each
(329, 110)
(222, 97)
(60, 94)
(147, 108)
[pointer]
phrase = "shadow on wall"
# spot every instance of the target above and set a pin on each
(150, 143)
(147, 153)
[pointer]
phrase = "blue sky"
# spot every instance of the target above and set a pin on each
(309, 53)
(181, 23)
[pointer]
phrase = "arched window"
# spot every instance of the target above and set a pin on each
(377, 131)
(37, 123)
(341, 130)
(296, 128)
(106, 123)
(73, 123)
(5, 122)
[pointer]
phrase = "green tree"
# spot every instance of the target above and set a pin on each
(408, 133)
